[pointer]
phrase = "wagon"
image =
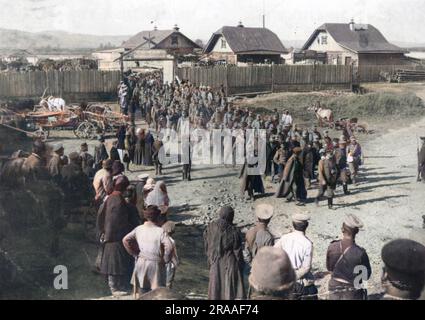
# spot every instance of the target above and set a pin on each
(99, 120)
(41, 123)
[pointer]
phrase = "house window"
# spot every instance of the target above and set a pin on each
(324, 40)
(223, 44)
(174, 40)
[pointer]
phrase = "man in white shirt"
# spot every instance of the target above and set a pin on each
(300, 251)
(287, 120)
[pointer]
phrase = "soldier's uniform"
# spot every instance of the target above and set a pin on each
(342, 257)
(259, 236)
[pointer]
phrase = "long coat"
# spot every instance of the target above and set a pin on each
(292, 174)
(421, 161)
(225, 259)
(249, 182)
(115, 220)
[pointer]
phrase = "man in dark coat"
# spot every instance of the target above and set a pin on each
(342, 165)
(115, 220)
(100, 152)
(223, 246)
(307, 157)
(421, 162)
(114, 154)
(292, 184)
(342, 258)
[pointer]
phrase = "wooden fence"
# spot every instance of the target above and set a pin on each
(256, 79)
(63, 84)
(373, 73)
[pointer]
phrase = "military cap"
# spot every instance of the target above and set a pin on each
(143, 177)
(422, 138)
(300, 217)
(57, 147)
(352, 221)
(264, 211)
(405, 256)
(272, 277)
(101, 138)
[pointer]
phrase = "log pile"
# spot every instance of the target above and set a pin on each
(409, 75)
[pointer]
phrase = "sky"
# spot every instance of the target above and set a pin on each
(398, 20)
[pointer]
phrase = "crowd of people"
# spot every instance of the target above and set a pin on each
(135, 234)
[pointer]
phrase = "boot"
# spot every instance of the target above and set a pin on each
(330, 203)
(345, 187)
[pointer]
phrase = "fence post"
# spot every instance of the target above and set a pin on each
(227, 80)
(272, 71)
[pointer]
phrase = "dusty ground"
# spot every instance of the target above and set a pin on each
(387, 199)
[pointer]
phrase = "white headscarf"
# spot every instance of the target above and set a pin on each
(157, 197)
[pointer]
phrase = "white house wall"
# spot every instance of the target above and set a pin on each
(336, 53)
(218, 48)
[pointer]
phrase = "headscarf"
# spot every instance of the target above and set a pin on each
(157, 197)
(121, 184)
(150, 184)
(226, 216)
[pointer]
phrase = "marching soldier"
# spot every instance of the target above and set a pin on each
(300, 251)
(354, 158)
(342, 258)
(341, 164)
(327, 178)
(404, 270)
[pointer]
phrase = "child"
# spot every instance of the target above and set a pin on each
(169, 228)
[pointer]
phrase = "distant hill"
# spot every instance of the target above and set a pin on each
(15, 39)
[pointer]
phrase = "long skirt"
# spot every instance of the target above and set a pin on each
(139, 154)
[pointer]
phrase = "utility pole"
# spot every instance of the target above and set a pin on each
(264, 14)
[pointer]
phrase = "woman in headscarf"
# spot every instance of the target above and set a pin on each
(115, 220)
(223, 245)
(159, 197)
(139, 149)
(148, 187)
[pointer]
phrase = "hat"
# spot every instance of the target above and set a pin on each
(107, 164)
(352, 221)
(422, 138)
(300, 218)
(264, 211)
(405, 256)
(297, 150)
(143, 177)
(57, 147)
(272, 277)
(74, 156)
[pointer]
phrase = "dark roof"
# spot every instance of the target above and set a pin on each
(362, 40)
(156, 36)
(241, 39)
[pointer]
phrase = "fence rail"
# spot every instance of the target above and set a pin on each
(275, 78)
(57, 83)
(373, 73)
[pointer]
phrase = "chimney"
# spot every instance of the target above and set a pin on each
(240, 25)
(176, 28)
(351, 24)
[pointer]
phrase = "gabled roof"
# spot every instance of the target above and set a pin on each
(241, 39)
(150, 39)
(361, 40)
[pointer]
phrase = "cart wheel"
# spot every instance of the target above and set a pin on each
(80, 130)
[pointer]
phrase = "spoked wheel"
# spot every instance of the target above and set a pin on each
(86, 130)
